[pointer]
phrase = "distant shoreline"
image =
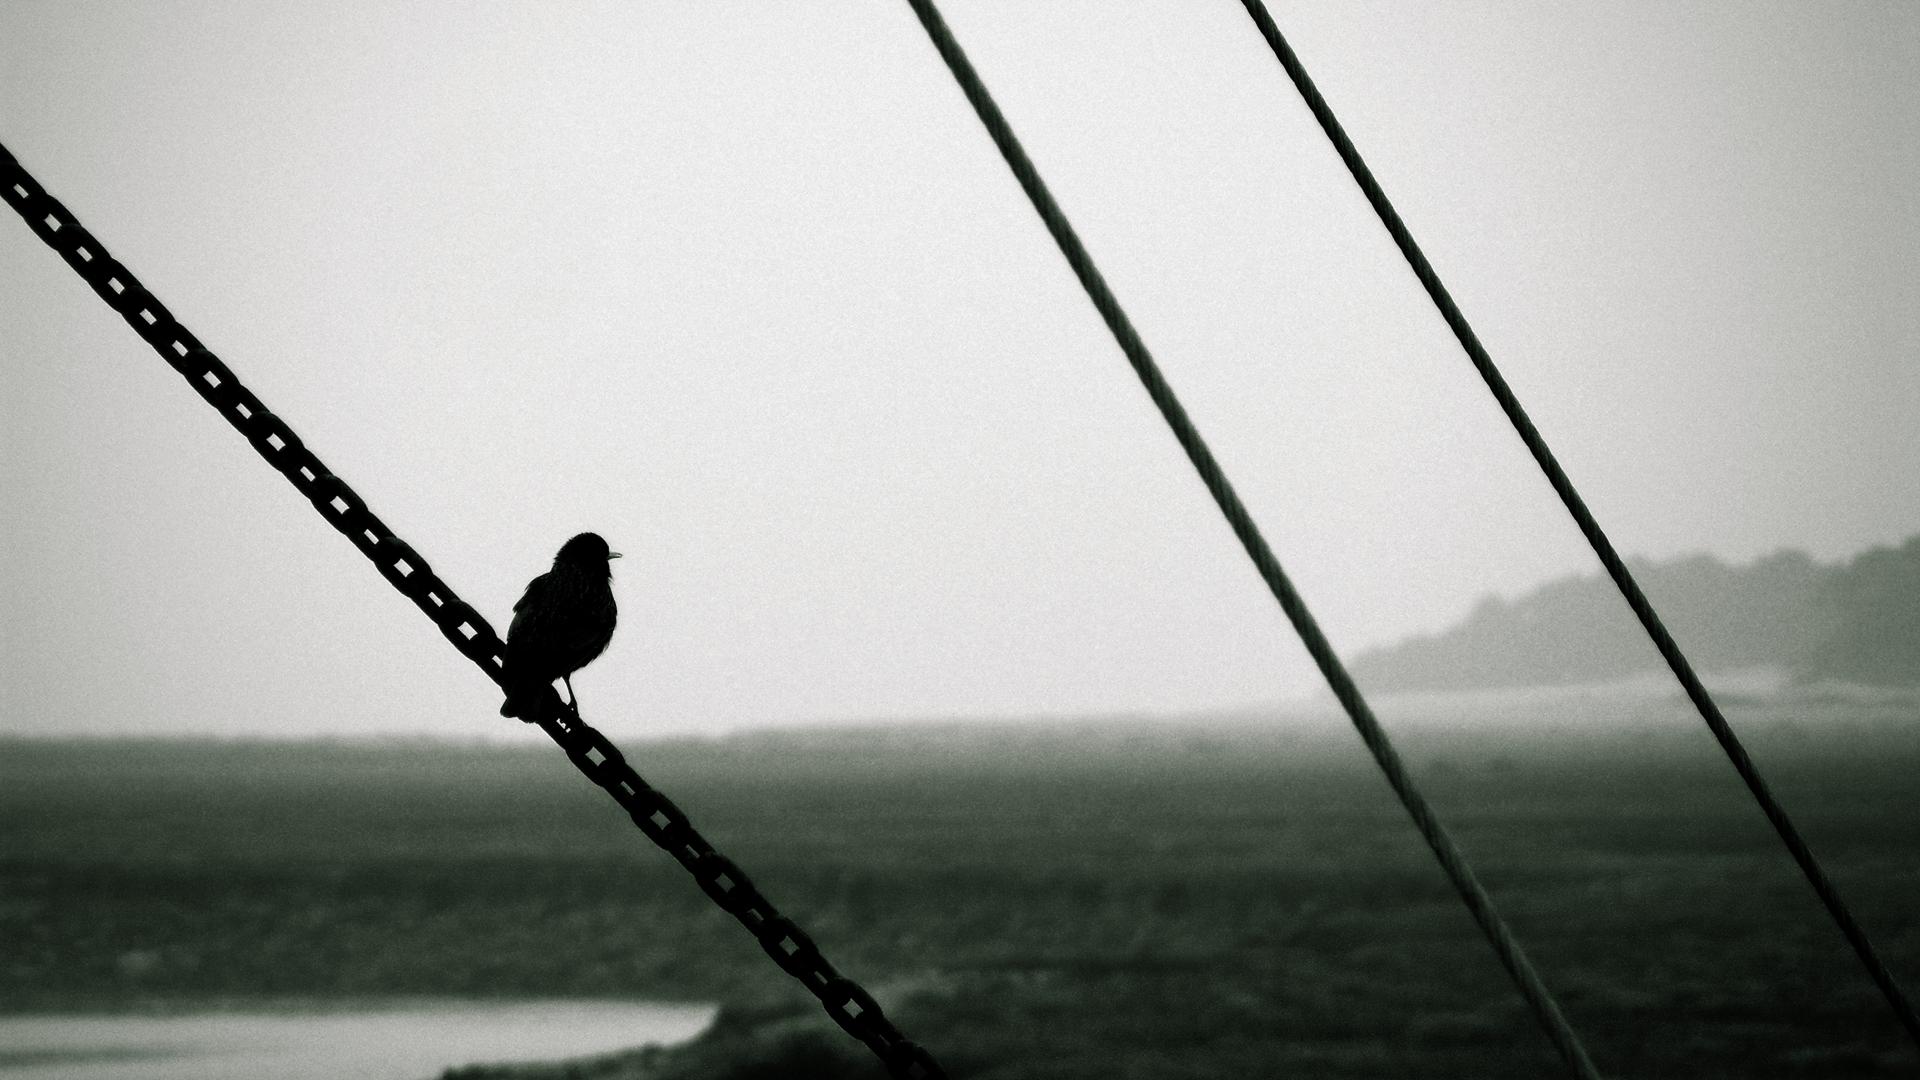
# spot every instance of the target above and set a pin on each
(1752, 688)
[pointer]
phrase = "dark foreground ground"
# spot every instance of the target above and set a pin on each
(1125, 900)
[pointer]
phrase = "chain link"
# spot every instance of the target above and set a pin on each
(590, 751)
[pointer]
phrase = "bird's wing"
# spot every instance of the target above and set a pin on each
(529, 602)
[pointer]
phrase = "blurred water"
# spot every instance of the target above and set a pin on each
(411, 1042)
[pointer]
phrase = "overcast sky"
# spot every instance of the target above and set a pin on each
(746, 288)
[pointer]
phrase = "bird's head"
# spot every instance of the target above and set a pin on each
(586, 551)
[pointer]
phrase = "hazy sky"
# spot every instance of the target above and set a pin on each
(745, 288)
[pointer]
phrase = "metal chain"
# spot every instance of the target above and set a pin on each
(1616, 567)
(591, 752)
(1480, 905)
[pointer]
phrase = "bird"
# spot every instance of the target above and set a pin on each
(561, 623)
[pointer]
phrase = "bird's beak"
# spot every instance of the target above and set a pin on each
(613, 554)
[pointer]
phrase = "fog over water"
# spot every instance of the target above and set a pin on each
(747, 290)
(402, 1041)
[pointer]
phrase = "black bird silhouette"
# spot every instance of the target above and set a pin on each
(561, 623)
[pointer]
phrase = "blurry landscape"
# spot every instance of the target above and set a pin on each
(1857, 621)
(754, 297)
(1184, 896)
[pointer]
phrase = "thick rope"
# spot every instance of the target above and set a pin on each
(1562, 486)
(590, 751)
(1545, 1009)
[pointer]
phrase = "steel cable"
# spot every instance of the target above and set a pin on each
(590, 751)
(1576, 506)
(1451, 860)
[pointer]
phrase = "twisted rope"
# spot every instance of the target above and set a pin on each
(1576, 506)
(1505, 946)
(591, 752)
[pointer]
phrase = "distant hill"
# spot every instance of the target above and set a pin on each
(1856, 622)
